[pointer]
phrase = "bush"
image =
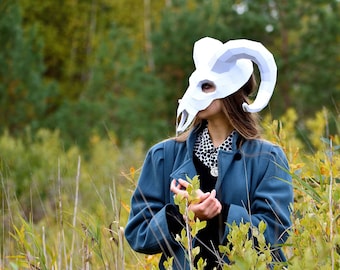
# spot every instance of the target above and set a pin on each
(64, 209)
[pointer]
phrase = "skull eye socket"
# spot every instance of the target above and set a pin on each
(208, 87)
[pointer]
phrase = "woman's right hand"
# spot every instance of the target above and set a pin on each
(180, 187)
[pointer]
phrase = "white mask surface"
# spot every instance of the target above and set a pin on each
(228, 67)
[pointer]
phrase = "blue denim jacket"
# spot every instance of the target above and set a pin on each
(253, 179)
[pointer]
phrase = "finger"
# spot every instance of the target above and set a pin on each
(183, 183)
(210, 207)
(173, 185)
(199, 192)
(178, 189)
(208, 198)
(217, 202)
(203, 196)
(208, 203)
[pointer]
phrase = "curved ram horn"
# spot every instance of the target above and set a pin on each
(256, 52)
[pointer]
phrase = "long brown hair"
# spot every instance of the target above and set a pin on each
(245, 123)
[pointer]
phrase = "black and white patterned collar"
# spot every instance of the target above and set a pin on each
(207, 153)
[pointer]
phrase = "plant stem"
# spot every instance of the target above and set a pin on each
(60, 232)
(75, 211)
(188, 235)
(44, 243)
(330, 201)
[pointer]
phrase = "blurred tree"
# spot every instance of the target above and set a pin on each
(303, 36)
(121, 97)
(73, 30)
(318, 62)
(131, 93)
(183, 24)
(93, 66)
(24, 95)
(122, 65)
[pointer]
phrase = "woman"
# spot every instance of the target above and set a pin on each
(242, 178)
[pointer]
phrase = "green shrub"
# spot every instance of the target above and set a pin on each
(65, 209)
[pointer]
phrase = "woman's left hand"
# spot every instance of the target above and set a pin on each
(207, 207)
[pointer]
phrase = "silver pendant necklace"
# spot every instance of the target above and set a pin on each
(214, 171)
(207, 153)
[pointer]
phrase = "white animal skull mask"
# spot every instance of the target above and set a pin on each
(228, 67)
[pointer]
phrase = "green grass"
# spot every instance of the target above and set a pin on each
(65, 209)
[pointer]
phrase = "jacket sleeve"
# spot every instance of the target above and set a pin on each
(269, 200)
(147, 229)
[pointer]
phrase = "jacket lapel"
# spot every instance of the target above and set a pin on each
(186, 169)
(225, 159)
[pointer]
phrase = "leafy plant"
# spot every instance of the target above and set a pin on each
(193, 226)
(39, 222)
(241, 250)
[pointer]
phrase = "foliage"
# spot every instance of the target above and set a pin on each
(193, 226)
(279, 25)
(241, 250)
(318, 83)
(92, 67)
(24, 95)
(61, 207)
(316, 219)
(314, 239)
(67, 209)
(81, 80)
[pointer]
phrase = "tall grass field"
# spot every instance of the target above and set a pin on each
(67, 208)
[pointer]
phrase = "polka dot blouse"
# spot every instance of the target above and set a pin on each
(205, 150)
